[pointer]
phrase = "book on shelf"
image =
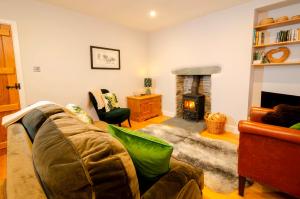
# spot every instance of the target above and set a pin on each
(261, 37)
(288, 35)
(254, 37)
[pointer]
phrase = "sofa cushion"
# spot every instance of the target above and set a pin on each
(150, 155)
(33, 120)
(78, 160)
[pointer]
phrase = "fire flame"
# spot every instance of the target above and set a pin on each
(189, 104)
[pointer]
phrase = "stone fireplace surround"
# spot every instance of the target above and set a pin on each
(184, 78)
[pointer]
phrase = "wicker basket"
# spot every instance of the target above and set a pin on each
(215, 122)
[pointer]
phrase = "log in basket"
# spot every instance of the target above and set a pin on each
(215, 122)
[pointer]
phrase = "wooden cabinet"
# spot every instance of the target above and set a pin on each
(144, 107)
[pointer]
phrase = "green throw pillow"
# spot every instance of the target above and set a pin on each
(150, 155)
(296, 126)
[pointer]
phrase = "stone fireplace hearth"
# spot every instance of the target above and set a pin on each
(185, 87)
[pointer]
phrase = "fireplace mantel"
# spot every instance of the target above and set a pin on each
(204, 70)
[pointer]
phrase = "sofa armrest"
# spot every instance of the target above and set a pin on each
(189, 170)
(270, 155)
(22, 181)
(277, 132)
(256, 113)
(182, 181)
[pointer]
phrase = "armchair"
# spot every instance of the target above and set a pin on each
(116, 116)
(269, 154)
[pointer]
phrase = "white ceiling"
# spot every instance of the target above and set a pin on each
(135, 13)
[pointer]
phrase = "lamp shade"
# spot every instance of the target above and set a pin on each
(147, 82)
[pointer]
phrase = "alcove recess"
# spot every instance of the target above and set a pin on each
(275, 77)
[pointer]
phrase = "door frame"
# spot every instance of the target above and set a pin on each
(17, 54)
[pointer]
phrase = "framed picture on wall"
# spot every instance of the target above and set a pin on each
(105, 58)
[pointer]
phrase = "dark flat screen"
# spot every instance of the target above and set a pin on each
(269, 100)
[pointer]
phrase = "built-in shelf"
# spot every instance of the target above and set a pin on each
(277, 24)
(278, 44)
(277, 64)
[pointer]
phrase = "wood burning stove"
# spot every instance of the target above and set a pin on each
(193, 103)
(193, 107)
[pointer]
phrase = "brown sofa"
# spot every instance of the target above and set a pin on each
(108, 178)
(269, 154)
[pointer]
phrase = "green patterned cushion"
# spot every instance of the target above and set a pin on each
(150, 155)
(110, 101)
(80, 113)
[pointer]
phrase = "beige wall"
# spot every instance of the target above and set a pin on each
(58, 41)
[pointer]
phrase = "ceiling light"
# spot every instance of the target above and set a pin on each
(152, 13)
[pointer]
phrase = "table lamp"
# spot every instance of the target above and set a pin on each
(148, 85)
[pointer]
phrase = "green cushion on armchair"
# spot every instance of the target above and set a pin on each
(296, 126)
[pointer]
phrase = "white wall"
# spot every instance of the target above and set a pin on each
(222, 38)
(58, 41)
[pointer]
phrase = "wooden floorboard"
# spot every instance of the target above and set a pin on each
(256, 191)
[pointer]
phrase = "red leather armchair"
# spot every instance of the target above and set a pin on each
(269, 154)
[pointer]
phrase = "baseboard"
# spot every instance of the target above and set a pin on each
(232, 128)
(169, 113)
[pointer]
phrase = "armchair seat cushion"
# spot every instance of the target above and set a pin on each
(117, 115)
